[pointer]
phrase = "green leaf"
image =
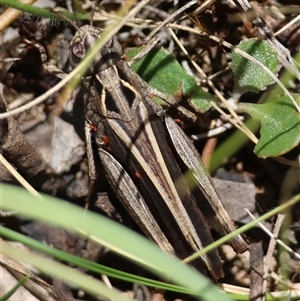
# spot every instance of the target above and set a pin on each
(111, 235)
(7, 295)
(280, 126)
(248, 75)
(64, 273)
(86, 264)
(165, 74)
(43, 12)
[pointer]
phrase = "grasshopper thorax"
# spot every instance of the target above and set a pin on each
(85, 38)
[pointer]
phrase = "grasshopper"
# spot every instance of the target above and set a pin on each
(145, 154)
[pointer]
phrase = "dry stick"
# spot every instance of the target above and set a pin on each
(19, 271)
(133, 22)
(233, 289)
(243, 54)
(282, 10)
(287, 283)
(293, 163)
(237, 122)
(20, 100)
(201, 8)
(214, 132)
(242, 126)
(208, 79)
(271, 249)
(272, 244)
(168, 19)
(281, 30)
(43, 97)
(11, 169)
(19, 178)
(48, 266)
(110, 31)
(11, 14)
(208, 150)
(256, 271)
(124, 21)
(283, 53)
(279, 241)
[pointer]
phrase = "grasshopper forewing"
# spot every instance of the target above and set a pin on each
(144, 154)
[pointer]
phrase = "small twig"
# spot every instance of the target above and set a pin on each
(271, 249)
(284, 55)
(11, 14)
(289, 294)
(243, 54)
(18, 271)
(213, 132)
(293, 163)
(279, 241)
(107, 282)
(208, 150)
(222, 240)
(256, 271)
(281, 30)
(237, 122)
(11, 169)
(111, 30)
(19, 178)
(167, 20)
(22, 99)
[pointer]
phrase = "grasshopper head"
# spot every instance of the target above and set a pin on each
(84, 39)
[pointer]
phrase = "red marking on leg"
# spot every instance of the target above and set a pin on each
(105, 140)
(93, 128)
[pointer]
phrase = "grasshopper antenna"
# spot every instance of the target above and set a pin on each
(72, 23)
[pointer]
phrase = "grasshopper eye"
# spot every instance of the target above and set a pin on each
(78, 50)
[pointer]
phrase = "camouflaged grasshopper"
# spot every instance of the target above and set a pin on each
(145, 154)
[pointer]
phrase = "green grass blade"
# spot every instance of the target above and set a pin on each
(43, 12)
(89, 265)
(7, 295)
(114, 236)
(53, 268)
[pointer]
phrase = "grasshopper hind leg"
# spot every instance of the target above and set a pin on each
(132, 200)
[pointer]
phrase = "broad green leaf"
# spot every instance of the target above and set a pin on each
(280, 126)
(249, 76)
(111, 235)
(165, 74)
